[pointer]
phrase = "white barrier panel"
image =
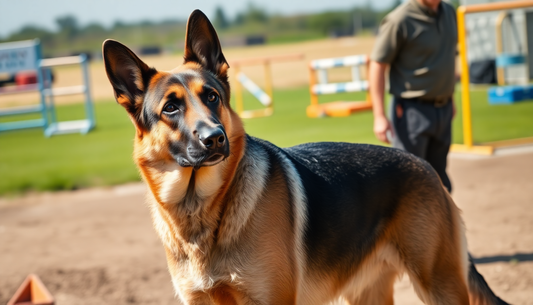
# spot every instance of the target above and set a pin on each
(254, 89)
(340, 87)
(348, 61)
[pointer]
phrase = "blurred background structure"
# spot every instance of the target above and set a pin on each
(313, 29)
(67, 28)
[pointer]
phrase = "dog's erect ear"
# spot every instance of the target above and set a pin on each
(128, 75)
(202, 45)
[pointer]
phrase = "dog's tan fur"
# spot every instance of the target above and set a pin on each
(234, 231)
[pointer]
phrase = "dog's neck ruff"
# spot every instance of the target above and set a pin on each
(246, 188)
(196, 216)
(192, 201)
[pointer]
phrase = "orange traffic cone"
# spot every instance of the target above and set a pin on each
(32, 292)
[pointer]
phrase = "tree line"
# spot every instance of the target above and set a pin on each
(71, 37)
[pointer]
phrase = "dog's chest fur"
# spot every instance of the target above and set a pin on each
(203, 248)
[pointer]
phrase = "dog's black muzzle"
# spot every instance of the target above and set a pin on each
(208, 146)
(212, 139)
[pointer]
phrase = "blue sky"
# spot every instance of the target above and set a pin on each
(16, 13)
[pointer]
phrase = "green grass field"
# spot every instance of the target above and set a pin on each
(31, 162)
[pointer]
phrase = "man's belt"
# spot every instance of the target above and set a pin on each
(439, 101)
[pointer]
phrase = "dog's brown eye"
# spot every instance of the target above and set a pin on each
(212, 97)
(169, 108)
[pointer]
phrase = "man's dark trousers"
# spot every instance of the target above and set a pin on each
(424, 130)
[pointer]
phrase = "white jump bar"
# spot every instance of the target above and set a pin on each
(340, 87)
(65, 90)
(61, 61)
(254, 90)
(348, 61)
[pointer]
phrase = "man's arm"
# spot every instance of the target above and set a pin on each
(377, 89)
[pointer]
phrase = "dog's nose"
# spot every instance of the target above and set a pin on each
(212, 138)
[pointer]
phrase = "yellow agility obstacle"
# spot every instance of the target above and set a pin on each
(468, 144)
(316, 88)
(241, 80)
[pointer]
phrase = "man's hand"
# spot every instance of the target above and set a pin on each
(377, 88)
(381, 127)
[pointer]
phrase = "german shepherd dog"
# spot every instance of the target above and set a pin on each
(243, 221)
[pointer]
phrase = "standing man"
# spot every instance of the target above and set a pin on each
(417, 41)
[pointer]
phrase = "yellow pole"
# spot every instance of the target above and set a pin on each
(495, 6)
(500, 72)
(268, 83)
(465, 78)
(312, 83)
(238, 92)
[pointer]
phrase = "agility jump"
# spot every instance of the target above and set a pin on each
(264, 96)
(26, 56)
(316, 88)
(468, 143)
(254, 89)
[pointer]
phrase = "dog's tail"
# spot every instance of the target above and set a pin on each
(478, 289)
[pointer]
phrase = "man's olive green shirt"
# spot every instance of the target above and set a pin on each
(420, 47)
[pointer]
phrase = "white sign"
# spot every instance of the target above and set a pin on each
(18, 56)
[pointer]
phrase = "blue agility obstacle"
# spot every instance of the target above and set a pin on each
(23, 56)
(16, 57)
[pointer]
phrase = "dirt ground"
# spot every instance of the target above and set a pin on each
(97, 246)
(285, 74)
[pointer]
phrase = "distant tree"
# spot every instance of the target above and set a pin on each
(68, 26)
(146, 23)
(253, 13)
(252, 19)
(220, 21)
(93, 29)
(119, 25)
(330, 21)
(31, 32)
(256, 13)
(240, 18)
(455, 3)
(173, 22)
(366, 18)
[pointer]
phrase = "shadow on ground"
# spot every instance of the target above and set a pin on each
(519, 257)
